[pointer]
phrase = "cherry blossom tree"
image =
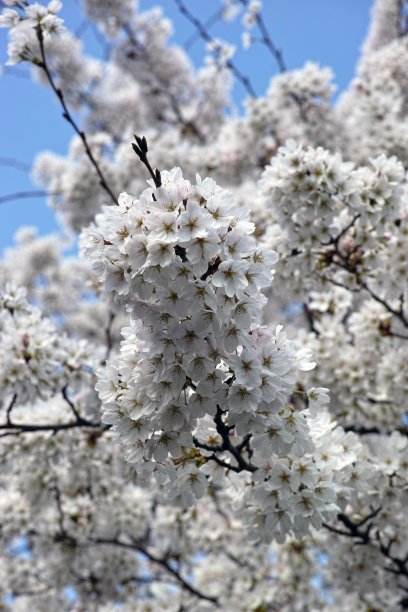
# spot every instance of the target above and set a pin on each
(205, 409)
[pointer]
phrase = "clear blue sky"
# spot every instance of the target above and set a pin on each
(329, 32)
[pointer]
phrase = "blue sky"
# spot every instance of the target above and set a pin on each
(329, 32)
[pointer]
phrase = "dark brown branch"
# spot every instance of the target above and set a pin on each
(108, 335)
(213, 448)
(10, 408)
(213, 19)
(337, 238)
(158, 561)
(354, 529)
(245, 443)
(310, 319)
(211, 269)
(225, 464)
(267, 40)
(141, 150)
(61, 517)
(397, 313)
(224, 430)
(30, 592)
(343, 261)
(206, 36)
(396, 335)
(362, 431)
(71, 404)
(67, 115)
(17, 428)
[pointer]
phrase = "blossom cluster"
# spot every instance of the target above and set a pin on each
(200, 384)
(228, 433)
(36, 361)
(333, 211)
(24, 45)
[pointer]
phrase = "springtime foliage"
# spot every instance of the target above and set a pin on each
(206, 409)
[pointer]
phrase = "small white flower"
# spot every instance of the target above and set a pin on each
(231, 276)
(193, 222)
(317, 397)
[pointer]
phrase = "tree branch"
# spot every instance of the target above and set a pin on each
(141, 150)
(67, 115)
(266, 38)
(17, 428)
(138, 547)
(19, 195)
(224, 430)
(206, 36)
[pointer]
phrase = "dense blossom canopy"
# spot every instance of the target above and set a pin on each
(206, 409)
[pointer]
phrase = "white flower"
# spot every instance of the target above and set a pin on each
(317, 397)
(194, 222)
(243, 399)
(160, 252)
(162, 226)
(9, 18)
(302, 359)
(231, 276)
(246, 367)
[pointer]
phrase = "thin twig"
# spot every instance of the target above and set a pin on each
(377, 298)
(20, 195)
(141, 150)
(67, 115)
(71, 404)
(266, 39)
(17, 428)
(61, 516)
(161, 86)
(208, 38)
(162, 562)
(310, 319)
(10, 408)
(108, 335)
(207, 25)
(15, 163)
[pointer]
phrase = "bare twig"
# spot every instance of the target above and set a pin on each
(61, 517)
(397, 313)
(18, 428)
(71, 404)
(206, 25)
(266, 39)
(208, 38)
(337, 238)
(10, 408)
(354, 529)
